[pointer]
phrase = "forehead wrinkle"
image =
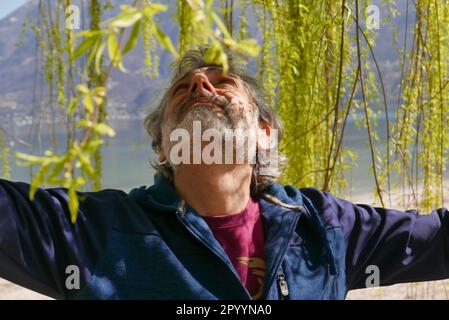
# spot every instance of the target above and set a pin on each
(179, 79)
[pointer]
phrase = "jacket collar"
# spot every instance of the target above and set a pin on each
(162, 196)
(279, 215)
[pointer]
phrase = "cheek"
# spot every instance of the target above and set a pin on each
(238, 103)
(171, 105)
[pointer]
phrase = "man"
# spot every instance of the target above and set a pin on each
(212, 230)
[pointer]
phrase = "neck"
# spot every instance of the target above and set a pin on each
(214, 189)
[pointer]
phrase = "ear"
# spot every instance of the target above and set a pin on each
(162, 156)
(263, 136)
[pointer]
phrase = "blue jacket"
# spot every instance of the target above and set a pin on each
(150, 245)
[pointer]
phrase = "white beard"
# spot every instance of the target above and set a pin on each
(211, 119)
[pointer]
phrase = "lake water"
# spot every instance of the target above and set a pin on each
(126, 158)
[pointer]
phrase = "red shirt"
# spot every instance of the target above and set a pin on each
(242, 238)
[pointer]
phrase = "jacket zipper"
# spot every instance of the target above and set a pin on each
(283, 285)
(281, 256)
(180, 213)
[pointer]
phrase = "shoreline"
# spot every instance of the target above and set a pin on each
(397, 199)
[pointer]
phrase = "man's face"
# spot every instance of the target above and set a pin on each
(214, 89)
(218, 101)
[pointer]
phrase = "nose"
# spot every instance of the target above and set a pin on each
(201, 82)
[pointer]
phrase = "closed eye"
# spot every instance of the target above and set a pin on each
(226, 81)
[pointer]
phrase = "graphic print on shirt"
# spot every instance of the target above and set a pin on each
(242, 237)
(257, 268)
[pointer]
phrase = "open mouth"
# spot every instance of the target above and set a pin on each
(203, 101)
(213, 102)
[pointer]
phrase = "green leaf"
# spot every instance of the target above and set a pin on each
(121, 67)
(124, 20)
(90, 33)
(88, 103)
(93, 52)
(98, 95)
(221, 25)
(72, 106)
(73, 204)
(99, 91)
(82, 89)
(127, 8)
(216, 55)
(57, 169)
(79, 183)
(113, 49)
(39, 179)
(249, 47)
(86, 166)
(104, 129)
(83, 47)
(224, 62)
(92, 145)
(165, 41)
(98, 56)
(83, 123)
(133, 37)
(211, 54)
(150, 10)
(101, 128)
(32, 160)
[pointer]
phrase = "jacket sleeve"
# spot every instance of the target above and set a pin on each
(38, 241)
(405, 246)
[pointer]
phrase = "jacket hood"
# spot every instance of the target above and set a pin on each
(161, 196)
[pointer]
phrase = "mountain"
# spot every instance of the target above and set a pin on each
(130, 92)
(133, 92)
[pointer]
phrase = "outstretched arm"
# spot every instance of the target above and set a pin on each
(38, 241)
(405, 246)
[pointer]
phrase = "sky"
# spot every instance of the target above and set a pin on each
(8, 6)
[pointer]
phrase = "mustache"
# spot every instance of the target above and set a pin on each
(220, 101)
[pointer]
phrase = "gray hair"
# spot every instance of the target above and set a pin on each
(194, 59)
